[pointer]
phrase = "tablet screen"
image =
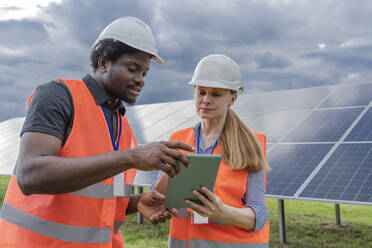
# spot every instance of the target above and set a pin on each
(203, 172)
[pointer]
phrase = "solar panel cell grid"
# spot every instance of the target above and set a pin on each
(349, 95)
(291, 165)
(363, 130)
(324, 125)
(346, 176)
(275, 124)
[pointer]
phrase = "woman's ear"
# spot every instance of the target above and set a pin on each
(233, 99)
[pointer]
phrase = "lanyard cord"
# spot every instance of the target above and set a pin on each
(198, 141)
(115, 145)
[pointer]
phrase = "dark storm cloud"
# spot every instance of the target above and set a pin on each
(281, 44)
(23, 33)
(268, 60)
(351, 58)
(54, 44)
(86, 19)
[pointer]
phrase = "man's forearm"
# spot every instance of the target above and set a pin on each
(132, 205)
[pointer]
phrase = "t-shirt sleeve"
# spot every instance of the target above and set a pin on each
(50, 111)
(254, 197)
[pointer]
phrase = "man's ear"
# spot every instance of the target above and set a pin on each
(102, 64)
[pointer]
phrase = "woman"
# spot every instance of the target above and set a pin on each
(235, 214)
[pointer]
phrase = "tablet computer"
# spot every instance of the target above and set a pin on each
(203, 172)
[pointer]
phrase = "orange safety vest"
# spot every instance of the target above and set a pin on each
(230, 186)
(88, 218)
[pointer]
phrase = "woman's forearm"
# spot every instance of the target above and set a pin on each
(242, 217)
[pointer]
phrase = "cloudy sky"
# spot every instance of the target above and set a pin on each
(279, 44)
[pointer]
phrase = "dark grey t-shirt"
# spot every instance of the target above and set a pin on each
(52, 108)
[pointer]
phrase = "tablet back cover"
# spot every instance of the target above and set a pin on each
(203, 172)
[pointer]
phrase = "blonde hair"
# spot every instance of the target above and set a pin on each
(240, 147)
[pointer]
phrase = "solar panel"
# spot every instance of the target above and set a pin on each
(249, 119)
(159, 128)
(137, 128)
(326, 125)
(167, 110)
(9, 144)
(274, 124)
(145, 178)
(291, 165)
(346, 176)
(362, 131)
(349, 95)
(258, 103)
(185, 124)
(245, 100)
(140, 111)
(301, 99)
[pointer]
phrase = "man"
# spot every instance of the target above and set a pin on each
(78, 154)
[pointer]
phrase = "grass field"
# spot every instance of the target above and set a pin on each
(308, 224)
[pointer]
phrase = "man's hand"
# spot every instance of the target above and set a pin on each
(151, 206)
(162, 156)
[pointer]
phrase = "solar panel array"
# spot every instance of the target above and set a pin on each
(319, 139)
(325, 152)
(9, 144)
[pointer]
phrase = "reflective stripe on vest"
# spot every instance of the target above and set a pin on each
(201, 243)
(102, 190)
(172, 242)
(98, 190)
(80, 234)
(213, 244)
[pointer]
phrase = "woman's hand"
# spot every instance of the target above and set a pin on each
(212, 205)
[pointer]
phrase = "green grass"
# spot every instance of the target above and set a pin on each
(4, 180)
(308, 224)
(313, 224)
(145, 235)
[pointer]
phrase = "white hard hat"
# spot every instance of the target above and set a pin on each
(217, 71)
(134, 33)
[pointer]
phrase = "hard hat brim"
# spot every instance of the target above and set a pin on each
(155, 57)
(158, 59)
(220, 85)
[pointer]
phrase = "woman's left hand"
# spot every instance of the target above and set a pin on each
(212, 205)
